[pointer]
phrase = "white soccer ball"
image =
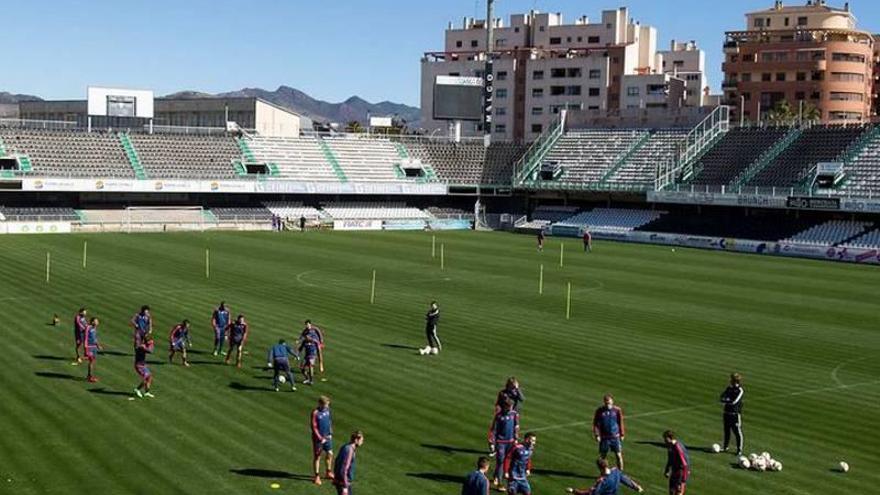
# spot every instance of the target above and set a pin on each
(753, 458)
(776, 466)
(424, 350)
(766, 456)
(435, 351)
(844, 467)
(744, 463)
(282, 379)
(716, 448)
(760, 464)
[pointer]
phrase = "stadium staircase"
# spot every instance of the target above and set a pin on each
(624, 159)
(132, 155)
(530, 162)
(403, 153)
(766, 158)
(249, 158)
(850, 155)
(332, 160)
(23, 162)
(690, 170)
(701, 139)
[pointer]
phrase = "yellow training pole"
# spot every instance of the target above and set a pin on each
(568, 303)
(433, 246)
(48, 265)
(373, 289)
(442, 257)
(561, 255)
(541, 281)
(85, 253)
(207, 263)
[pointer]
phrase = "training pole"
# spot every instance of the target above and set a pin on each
(85, 253)
(442, 257)
(48, 265)
(207, 263)
(541, 281)
(561, 255)
(373, 289)
(568, 303)
(433, 246)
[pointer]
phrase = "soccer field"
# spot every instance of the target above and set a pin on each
(659, 329)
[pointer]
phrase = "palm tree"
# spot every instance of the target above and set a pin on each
(354, 127)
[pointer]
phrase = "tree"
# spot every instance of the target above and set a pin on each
(811, 113)
(781, 113)
(354, 127)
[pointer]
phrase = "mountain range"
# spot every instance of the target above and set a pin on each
(13, 98)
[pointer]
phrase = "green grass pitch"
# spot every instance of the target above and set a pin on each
(659, 329)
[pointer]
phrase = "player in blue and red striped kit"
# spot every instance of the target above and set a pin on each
(322, 438)
(143, 345)
(308, 349)
(343, 468)
(238, 335)
(178, 341)
(220, 322)
(279, 360)
(678, 464)
(476, 482)
(142, 321)
(609, 429)
(518, 466)
(317, 335)
(91, 346)
(503, 434)
(511, 392)
(80, 323)
(608, 482)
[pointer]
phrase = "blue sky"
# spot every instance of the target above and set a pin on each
(330, 49)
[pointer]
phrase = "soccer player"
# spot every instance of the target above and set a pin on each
(80, 323)
(220, 321)
(178, 341)
(91, 345)
(343, 468)
(431, 320)
(677, 464)
(511, 392)
(476, 482)
(308, 349)
(518, 466)
(142, 321)
(238, 334)
(143, 345)
(279, 361)
(322, 438)
(609, 429)
(588, 241)
(541, 240)
(608, 482)
(732, 399)
(503, 433)
(318, 336)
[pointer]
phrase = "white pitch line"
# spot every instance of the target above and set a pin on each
(704, 406)
(843, 365)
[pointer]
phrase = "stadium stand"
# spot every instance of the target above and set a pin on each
(365, 159)
(871, 240)
(302, 158)
(728, 224)
(450, 213)
(374, 211)
(612, 219)
(186, 157)
(586, 156)
(293, 210)
(550, 213)
(69, 153)
(254, 214)
(168, 215)
(38, 214)
(830, 233)
(739, 148)
(863, 170)
(816, 144)
(468, 162)
(639, 169)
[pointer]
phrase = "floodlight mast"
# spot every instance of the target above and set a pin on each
(489, 74)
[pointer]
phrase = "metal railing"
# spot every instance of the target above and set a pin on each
(780, 192)
(533, 156)
(696, 141)
(38, 124)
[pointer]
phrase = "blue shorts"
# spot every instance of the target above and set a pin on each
(281, 366)
(519, 487)
(178, 345)
(310, 360)
(609, 445)
(318, 446)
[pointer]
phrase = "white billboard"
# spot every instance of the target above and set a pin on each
(118, 102)
(381, 122)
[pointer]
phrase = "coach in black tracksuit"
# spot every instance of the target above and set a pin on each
(732, 399)
(431, 320)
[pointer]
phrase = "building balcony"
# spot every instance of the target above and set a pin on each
(729, 84)
(731, 47)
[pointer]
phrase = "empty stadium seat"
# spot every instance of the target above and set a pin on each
(293, 210)
(612, 219)
(871, 240)
(734, 153)
(186, 156)
(351, 210)
(69, 153)
(468, 162)
(640, 168)
(829, 233)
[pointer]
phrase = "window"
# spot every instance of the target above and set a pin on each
(573, 90)
(568, 40)
(847, 96)
(844, 116)
(800, 95)
(766, 77)
(502, 75)
(538, 75)
(802, 21)
(458, 44)
(615, 60)
(780, 77)
(537, 110)
(817, 75)
(801, 76)
(501, 42)
(593, 91)
(815, 95)
(574, 72)
(786, 21)
(746, 77)
(501, 111)
(848, 57)
(748, 57)
(747, 96)
(632, 91)
(542, 29)
(557, 73)
(474, 43)
(454, 74)
(537, 128)
(595, 74)
(847, 76)
(759, 23)
(678, 63)
(501, 93)
(500, 128)
(557, 90)
(516, 30)
(555, 41)
(538, 93)
(580, 39)
(593, 39)
(692, 77)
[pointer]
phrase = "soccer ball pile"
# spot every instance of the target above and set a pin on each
(429, 350)
(760, 462)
